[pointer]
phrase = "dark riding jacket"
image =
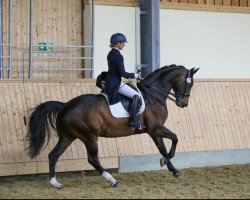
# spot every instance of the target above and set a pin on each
(116, 71)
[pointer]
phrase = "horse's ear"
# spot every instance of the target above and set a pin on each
(193, 70)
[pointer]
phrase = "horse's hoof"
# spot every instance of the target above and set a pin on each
(54, 183)
(162, 162)
(178, 175)
(115, 184)
(61, 187)
(58, 186)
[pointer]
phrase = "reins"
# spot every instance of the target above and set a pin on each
(149, 95)
(165, 93)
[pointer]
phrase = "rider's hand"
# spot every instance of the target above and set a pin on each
(137, 76)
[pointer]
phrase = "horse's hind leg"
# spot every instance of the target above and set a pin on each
(54, 155)
(92, 150)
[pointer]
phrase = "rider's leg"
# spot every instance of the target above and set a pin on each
(134, 120)
(127, 91)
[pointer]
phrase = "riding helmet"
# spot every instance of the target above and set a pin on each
(116, 38)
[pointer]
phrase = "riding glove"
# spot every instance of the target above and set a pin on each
(137, 76)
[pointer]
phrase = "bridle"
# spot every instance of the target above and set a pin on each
(178, 98)
(184, 93)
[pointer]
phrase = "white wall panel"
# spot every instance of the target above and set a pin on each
(218, 43)
(109, 20)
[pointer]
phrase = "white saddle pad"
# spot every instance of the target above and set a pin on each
(118, 111)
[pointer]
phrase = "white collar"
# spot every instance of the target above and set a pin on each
(116, 48)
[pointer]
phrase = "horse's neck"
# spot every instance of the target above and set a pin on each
(160, 84)
(168, 80)
(154, 93)
(165, 85)
(157, 104)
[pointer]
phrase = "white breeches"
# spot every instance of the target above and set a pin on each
(127, 91)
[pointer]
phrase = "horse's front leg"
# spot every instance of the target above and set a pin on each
(166, 133)
(166, 158)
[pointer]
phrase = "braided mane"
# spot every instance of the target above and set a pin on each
(165, 70)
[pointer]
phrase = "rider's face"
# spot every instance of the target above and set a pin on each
(121, 45)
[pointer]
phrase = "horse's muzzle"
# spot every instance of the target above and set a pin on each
(181, 103)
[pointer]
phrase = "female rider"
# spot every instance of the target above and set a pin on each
(114, 85)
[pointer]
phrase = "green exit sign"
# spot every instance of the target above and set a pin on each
(45, 46)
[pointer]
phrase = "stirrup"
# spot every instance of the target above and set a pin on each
(140, 127)
(136, 125)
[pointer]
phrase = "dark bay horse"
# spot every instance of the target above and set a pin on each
(88, 117)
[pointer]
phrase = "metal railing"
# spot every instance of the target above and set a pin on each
(55, 56)
(6, 59)
(31, 57)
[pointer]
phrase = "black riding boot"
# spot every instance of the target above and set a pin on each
(134, 120)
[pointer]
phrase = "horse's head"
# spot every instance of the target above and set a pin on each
(157, 86)
(182, 87)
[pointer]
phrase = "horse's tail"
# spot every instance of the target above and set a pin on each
(41, 119)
